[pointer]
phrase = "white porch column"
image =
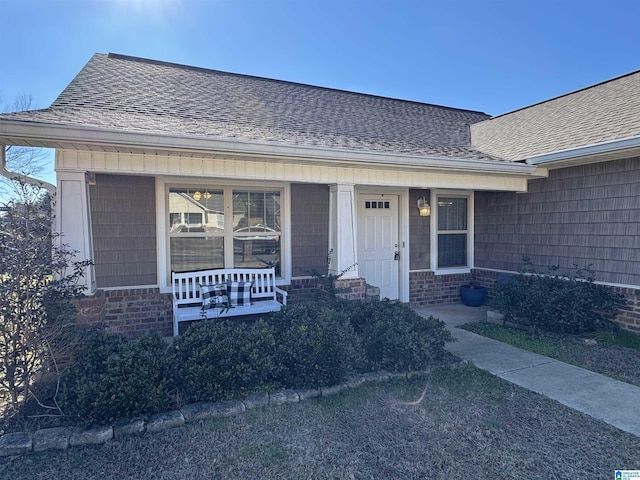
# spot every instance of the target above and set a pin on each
(342, 231)
(73, 220)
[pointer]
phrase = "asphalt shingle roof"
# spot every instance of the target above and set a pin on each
(132, 94)
(601, 113)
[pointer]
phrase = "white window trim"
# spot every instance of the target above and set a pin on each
(469, 194)
(162, 234)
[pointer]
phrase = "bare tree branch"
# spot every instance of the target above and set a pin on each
(23, 160)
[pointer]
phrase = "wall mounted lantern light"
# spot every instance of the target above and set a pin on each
(424, 207)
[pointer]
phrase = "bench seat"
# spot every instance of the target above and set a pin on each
(187, 304)
(195, 312)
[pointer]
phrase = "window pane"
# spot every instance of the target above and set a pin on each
(196, 229)
(196, 210)
(175, 219)
(452, 213)
(452, 250)
(257, 251)
(194, 219)
(196, 253)
(256, 211)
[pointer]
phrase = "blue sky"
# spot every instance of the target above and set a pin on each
(489, 55)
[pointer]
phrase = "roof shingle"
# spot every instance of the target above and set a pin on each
(132, 94)
(601, 113)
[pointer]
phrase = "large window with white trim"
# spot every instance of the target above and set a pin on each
(452, 231)
(224, 228)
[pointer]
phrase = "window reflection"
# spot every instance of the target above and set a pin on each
(197, 234)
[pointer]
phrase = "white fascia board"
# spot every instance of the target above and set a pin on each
(575, 155)
(57, 134)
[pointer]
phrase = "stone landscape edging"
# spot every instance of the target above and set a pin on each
(61, 438)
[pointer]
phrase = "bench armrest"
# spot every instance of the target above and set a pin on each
(283, 293)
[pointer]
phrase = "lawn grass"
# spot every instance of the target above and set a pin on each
(555, 347)
(456, 422)
(611, 352)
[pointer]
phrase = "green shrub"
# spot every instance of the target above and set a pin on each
(395, 337)
(306, 346)
(564, 303)
(113, 378)
(218, 360)
(316, 346)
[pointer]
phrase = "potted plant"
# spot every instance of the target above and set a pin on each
(473, 295)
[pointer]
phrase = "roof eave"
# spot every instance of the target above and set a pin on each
(597, 152)
(65, 136)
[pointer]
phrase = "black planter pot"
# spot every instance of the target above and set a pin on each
(473, 296)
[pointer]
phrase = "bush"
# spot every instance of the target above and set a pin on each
(306, 346)
(38, 281)
(317, 346)
(395, 337)
(218, 360)
(564, 303)
(113, 378)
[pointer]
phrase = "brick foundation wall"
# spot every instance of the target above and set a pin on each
(425, 288)
(90, 310)
(351, 289)
(308, 290)
(131, 312)
(628, 317)
(487, 278)
(302, 290)
(138, 312)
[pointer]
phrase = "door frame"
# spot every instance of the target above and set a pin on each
(403, 231)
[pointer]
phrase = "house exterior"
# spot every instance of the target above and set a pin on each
(163, 167)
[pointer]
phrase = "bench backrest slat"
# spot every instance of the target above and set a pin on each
(186, 289)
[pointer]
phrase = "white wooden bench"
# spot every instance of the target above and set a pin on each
(187, 304)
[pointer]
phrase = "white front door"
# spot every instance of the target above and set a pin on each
(378, 250)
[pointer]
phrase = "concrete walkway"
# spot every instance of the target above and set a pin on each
(614, 402)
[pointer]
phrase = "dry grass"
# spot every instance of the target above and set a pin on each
(454, 423)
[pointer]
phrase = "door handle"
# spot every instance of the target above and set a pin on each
(396, 256)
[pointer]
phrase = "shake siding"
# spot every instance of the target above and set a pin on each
(580, 215)
(309, 228)
(123, 224)
(419, 233)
